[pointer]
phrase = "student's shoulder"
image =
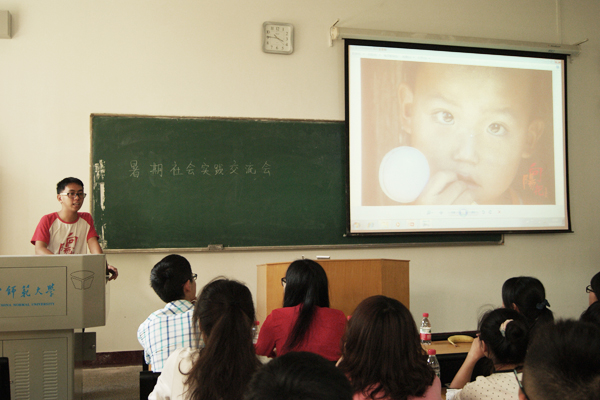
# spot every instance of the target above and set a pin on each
(183, 357)
(281, 312)
(49, 218)
(43, 228)
(47, 221)
(495, 384)
(332, 317)
(85, 215)
(282, 315)
(168, 309)
(333, 313)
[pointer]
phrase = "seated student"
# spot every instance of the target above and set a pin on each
(382, 354)
(563, 362)
(170, 327)
(68, 231)
(593, 288)
(299, 376)
(592, 314)
(527, 295)
(503, 338)
(305, 323)
(224, 313)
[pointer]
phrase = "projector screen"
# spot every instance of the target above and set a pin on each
(455, 139)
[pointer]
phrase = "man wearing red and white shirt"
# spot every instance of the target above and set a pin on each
(68, 231)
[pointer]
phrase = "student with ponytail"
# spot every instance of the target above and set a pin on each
(503, 338)
(527, 295)
(224, 313)
(305, 323)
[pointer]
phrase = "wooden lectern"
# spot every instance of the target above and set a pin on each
(350, 282)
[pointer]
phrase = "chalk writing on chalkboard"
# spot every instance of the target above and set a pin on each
(218, 169)
(99, 171)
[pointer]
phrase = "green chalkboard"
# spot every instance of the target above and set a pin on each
(171, 183)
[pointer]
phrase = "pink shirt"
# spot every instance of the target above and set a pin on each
(323, 336)
(434, 392)
(65, 237)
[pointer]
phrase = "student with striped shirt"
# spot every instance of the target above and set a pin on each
(170, 327)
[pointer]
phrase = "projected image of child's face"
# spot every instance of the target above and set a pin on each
(474, 125)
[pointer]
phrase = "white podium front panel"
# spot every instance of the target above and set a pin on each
(52, 292)
(40, 291)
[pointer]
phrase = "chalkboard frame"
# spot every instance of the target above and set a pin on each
(346, 241)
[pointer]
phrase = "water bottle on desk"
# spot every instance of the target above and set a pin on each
(425, 329)
(433, 362)
(255, 332)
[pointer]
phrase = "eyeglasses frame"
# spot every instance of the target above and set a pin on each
(73, 195)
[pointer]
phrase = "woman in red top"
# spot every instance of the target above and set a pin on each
(305, 323)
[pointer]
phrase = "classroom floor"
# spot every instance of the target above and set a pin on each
(115, 383)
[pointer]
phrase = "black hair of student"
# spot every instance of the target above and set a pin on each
(299, 376)
(529, 295)
(306, 285)
(511, 347)
(224, 314)
(60, 186)
(168, 277)
(563, 362)
(595, 283)
(592, 314)
(382, 353)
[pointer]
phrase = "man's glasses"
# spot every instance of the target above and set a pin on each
(194, 276)
(520, 383)
(72, 195)
(589, 289)
(283, 281)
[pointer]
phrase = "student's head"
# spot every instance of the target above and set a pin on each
(306, 285)
(473, 121)
(172, 279)
(592, 314)
(299, 376)
(505, 334)
(563, 362)
(60, 186)
(306, 282)
(224, 313)
(69, 193)
(594, 288)
(528, 296)
(220, 298)
(382, 352)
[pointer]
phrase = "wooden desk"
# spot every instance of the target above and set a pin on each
(445, 347)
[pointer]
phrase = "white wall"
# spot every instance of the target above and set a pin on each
(70, 58)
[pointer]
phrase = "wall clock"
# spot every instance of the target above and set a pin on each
(278, 38)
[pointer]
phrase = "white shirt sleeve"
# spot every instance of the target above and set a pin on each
(170, 384)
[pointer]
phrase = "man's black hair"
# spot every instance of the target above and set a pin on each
(563, 362)
(168, 277)
(299, 376)
(60, 186)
